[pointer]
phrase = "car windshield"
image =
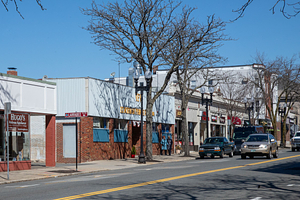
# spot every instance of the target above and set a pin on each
(257, 138)
(297, 134)
(213, 140)
(241, 135)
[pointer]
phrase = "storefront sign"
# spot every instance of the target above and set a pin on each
(203, 118)
(18, 122)
(132, 111)
(178, 113)
(214, 118)
(222, 120)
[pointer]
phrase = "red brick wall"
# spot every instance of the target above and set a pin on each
(89, 150)
(50, 140)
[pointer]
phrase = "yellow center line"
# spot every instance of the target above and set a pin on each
(167, 179)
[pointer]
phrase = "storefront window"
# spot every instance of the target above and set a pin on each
(19, 145)
(121, 124)
(99, 122)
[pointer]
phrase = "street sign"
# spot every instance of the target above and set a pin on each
(7, 108)
(76, 114)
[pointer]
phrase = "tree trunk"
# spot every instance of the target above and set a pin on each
(184, 127)
(284, 132)
(185, 132)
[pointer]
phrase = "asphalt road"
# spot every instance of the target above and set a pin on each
(227, 178)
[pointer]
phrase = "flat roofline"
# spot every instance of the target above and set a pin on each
(28, 79)
(228, 66)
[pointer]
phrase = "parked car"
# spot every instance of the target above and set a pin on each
(260, 145)
(295, 141)
(216, 146)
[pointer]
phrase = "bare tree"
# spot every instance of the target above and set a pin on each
(288, 8)
(141, 30)
(197, 58)
(232, 92)
(15, 2)
(277, 81)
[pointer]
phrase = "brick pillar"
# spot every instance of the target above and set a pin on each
(50, 141)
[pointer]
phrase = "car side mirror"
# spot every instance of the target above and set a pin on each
(272, 140)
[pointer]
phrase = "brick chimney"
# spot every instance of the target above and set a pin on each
(155, 68)
(12, 71)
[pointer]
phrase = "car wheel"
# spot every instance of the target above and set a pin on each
(269, 154)
(251, 157)
(222, 154)
(231, 154)
(243, 156)
(212, 156)
(201, 157)
(293, 149)
(276, 154)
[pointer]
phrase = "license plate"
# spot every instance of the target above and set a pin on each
(253, 150)
(209, 154)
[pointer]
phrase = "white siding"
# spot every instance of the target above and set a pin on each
(28, 95)
(70, 95)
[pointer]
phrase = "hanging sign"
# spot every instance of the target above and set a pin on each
(18, 122)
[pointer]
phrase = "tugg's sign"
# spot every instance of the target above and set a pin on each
(18, 122)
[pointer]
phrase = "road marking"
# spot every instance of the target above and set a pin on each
(167, 179)
(291, 185)
(23, 186)
(256, 198)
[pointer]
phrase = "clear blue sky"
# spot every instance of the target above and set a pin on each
(53, 43)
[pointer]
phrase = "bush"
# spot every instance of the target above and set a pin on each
(133, 151)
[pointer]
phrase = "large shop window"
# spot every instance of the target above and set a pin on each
(100, 129)
(121, 131)
(155, 135)
(19, 144)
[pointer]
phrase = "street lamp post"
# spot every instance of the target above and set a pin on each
(141, 88)
(282, 110)
(249, 108)
(207, 102)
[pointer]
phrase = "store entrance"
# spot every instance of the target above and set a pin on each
(136, 136)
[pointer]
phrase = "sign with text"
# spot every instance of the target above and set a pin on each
(178, 113)
(76, 114)
(222, 120)
(214, 118)
(18, 122)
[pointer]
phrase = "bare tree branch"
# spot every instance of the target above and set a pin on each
(295, 7)
(15, 2)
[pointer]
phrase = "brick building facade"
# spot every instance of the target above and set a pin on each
(112, 126)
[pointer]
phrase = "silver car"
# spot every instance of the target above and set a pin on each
(259, 145)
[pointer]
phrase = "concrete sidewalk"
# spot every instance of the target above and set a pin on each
(39, 171)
